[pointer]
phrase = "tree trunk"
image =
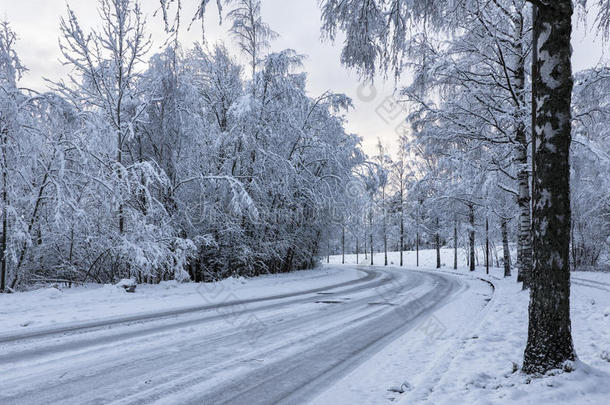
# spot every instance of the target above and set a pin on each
(505, 248)
(371, 234)
(455, 246)
(534, 93)
(438, 251)
(549, 343)
(366, 257)
(471, 237)
(385, 250)
(402, 235)
(343, 245)
(385, 234)
(371, 253)
(524, 199)
(437, 240)
(3, 240)
(357, 249)
(119, 160)
(525, 236)
(487, 245)
(417, 249)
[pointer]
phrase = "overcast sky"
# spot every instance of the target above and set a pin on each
(298, 23)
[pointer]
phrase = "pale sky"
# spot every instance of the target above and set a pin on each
(298, 23)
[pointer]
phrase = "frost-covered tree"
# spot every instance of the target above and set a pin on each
(38, 146)
(376, 34)
(259, 186)
(11, 128)
(476, 82)
(105, 86)
(167, 166)
(251, 33)
(400, 174)
(384, 164)
(590, 154)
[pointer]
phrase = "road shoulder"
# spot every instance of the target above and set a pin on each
(56, 308)
(486, 369)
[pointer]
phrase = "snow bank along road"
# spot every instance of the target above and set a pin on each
(277, 349)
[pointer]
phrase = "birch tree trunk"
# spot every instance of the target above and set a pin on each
(471, 236)
(534, 101)
(371, 234)
(549, 343)
(3, 240)
(437, 239)
(402, 224)
(505, 248)
(487, 245)
(365, 248)
(385, 233)
(524, 235)
(343, 245)
(455, 246)
(417, 249)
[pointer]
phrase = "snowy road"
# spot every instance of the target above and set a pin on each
(278, 349)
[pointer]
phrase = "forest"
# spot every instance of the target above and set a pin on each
(180, 165)
(461, 176)
(187, 161)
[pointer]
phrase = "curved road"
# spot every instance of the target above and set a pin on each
(280, 349)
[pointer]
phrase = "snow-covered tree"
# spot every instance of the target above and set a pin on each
(376, 35)
(590, 157)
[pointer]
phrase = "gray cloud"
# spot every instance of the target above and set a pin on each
(297, 22)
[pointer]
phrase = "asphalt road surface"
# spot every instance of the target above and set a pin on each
(277, 349)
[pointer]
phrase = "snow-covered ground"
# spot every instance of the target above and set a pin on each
(281, 348)
(339, 334)
(476, 361)
(427, 258)
(21, 312)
